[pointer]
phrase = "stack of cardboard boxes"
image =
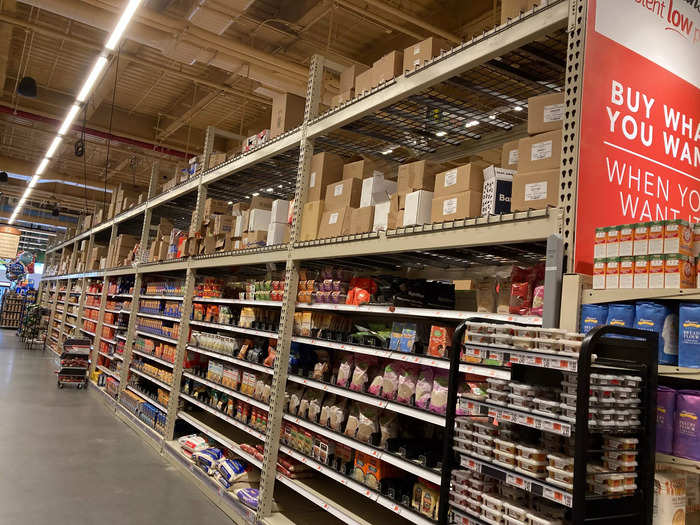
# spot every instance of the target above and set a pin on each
(278, 229)
(122, 251)
(536, 184)
(458, 192)
(158, 251)
(255, 222)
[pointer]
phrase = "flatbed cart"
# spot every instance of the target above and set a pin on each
(73, 363)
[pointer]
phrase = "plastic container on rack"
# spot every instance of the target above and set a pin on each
(620, 443)
(521, 402)
(485, 451)
(485, 429)
(478, 338)
(483, 439)
(473, 505)
(524, 343)
(570, 346)
(561, 462)
(533, 468)
(504, 445)
(503, 458)
(505, 340)
(532, 453)
(538, 519)
(550, 345)
(552, 333)
(498, 397)
(619, 466)
(510, 520)
(564, 476)
(514, 511)
(545, 406)
(493, 502)
(524, 390)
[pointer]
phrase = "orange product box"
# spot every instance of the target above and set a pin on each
(601, 235)
(612, 241)
(372, 470)
(599, 268)
(641, 271)
(626, 279)
(440, 340)
(612, 273)
(626, 240)
(657, 269)
(641, 238)
(679, 271)
(656, 238)
(678, 237)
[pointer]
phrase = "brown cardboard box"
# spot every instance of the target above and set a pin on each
(512, 8)
(153, 251)
(222, 224)
(216, 158)
(238, 208)
(164, 227)
(545, 113)
(260, 203)
(251, 239)
(395, 219)
(87, 222)
(361, 220)
(415, 176)
(541, 152)
(341, 98)
(220, 242)
(287, 113)
(345, 193)
(128, 203)
(387, 67)
(310, 220)
(364, 82)
(208, 244)
(361, 169)
(464, 205)
(510, 155)
(457, 180)
(99, 217)
(418, 54)
(192, 245)
(347, 77)
(141, 198)
(212, 206)
(335, 223)
(535, 190)
(397, 203)
(326, 168)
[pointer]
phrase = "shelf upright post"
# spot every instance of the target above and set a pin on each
(182, 339)
(279, 380)
(112, 243)
(73, 257)
(100, 321)
(61, 329)
(147, 215)
(54, 302)
(208, 147)
(552, 281)
(130, 332)
(573, 89)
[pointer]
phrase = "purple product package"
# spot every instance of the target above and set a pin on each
(686, 433)
(665, 421)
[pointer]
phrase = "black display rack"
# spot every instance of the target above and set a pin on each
(607, 350)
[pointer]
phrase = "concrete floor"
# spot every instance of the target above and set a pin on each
(66, 460)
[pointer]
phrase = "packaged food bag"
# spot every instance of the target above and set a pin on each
(669, 498)
(689, 335)
(593, 315)
(656, 317)
(620, 314)
(686, 431)
(665, 411)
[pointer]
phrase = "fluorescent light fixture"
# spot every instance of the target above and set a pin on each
(270, 190)
(492, 117)
(92, 78)
(26, 193)
(122, 24)
(471, 124)
(518, 108)
(255, 193)
(68, 121)
(388, 151)
(42, 166)
(230, 202)
(54, 146)
(34, 180)
(440, 133)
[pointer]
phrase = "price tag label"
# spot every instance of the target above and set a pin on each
(470, 464)
(493, 413)
(474, 352)
(519, 482)
(558, 496)
(514, 358)
(506, 416)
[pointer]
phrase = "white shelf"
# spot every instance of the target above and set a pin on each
(93, 293)
(156, 336)
(399, 408)
(151, 378)
(69, 324)
(230, 392)
(107, 371)
(110, 325)
(163, 297)
(121, 295)
(235, 360)
(87, 332)
(224, 417)
(636, 294)
(235, 329)
(153, 358)
(110, 341)
(118, 311)
(537, 358)
(108, 356)
(677, 463)
(122, 337)
(679, 372)
(520, 417)
(250, 302)
(163, 317)
(147, 399)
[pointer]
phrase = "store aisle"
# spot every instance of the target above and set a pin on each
(65, 460)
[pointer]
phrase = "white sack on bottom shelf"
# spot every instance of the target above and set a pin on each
(669, 498)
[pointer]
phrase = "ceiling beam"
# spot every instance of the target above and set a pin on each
(23, 167)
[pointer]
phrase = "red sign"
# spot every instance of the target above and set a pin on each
(639, 148)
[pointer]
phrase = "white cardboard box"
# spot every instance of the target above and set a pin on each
(280, 211)
(258, 220)
(418, 207)
(376, 189)
(238, 226)
(381, 216)
(276, 233)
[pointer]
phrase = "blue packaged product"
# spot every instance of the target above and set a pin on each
(593, 315)
(689, 336)
(231, 469)
(249, 497)
(620, 314)
(656, 317)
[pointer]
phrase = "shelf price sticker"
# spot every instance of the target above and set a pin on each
(473, 352)
(506, 416)
(519, 482)
(470, 464)
(557, 495)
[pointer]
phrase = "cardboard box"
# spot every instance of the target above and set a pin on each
(381, 216)
(310, 220)
(257, 238)
(463, 205)
(99, 217)
(511, 9)
(498, 191)
(258, 202)
(364, 82)
(387, 67)
(238, 227)
(335, 223)
(534, 191)
(208, 245)
(510, 155)
(541, 152)
(238, 208)
(87, 222)
(280, 211)
(191, 246)
(343, 194)
(376, 190)
(418, 208)
(258, 220)
(277, 233)
(216, 158)
(545, 113)
(348, 75)
(326, 168)
(362, 220)
(213, 206)
(222, 224)
(287, 113)
(415, 176)
(361, 169)
(163, 249)
(418, 54)
(153, 251)
(457, 180)
(342, 98)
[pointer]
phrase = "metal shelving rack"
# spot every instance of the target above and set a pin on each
(344, 130)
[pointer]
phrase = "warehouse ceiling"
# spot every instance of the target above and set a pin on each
(184, 65)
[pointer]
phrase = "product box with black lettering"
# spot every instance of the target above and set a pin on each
(326, 168)
(256, 238)
(418, 208)
(464, 205)
(540, 152)
(418, 54)
(535, 190)
(345, 193)
(310, 220)
(457, 180)
(510, 155)
(221, 224)
(497, 191)
(287, 113)
(335, 223)
(545, 113)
